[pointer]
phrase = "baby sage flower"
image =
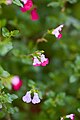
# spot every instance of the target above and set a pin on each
(57, 31)
(42, 61)
(27, 98)
(27, 5)
(71, 116)
(16, 83)
(34, 15)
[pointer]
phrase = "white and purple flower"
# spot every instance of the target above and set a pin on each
(27, 98)
(57, 31)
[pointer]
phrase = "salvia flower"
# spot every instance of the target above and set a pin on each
(16, 83)
(35, 98)
(71, 116)
(27, 5)
(36, 61)
(57, 31)
(27, 98)
(8, 2)
(41, 61)
(34, 14)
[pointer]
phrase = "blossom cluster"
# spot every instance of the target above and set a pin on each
(40, 60)
(27, 5)
(27, 98)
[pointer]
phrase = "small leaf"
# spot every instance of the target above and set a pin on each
(17, 2)
(5, 32)
(14, 33)
(3, 73)
(5, 47)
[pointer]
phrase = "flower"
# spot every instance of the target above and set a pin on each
(8, 2)
(42, 61)
(24, 1)
(36, 62)
(57, 31)
(34, 14)
(35, 98)
(27, 5)
(16, 83)
(71, 116)
(27, 97)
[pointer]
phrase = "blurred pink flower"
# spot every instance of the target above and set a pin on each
(16, 83)
(71, 116)
(27, 97)
(34, 14)
(8, 2)
(57, 31)
(42, 61)
(27, 6)
(35, 98)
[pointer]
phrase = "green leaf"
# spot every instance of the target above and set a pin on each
(17, 2)
(3, 73)
(5, 47)
(14, 33)
(5, 32)
(53, 4)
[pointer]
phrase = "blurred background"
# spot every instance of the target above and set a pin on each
(59, 82)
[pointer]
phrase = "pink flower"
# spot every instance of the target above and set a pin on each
(27, 6)
(34, 14)
(27, 97)
(42, 61)
(71, 116)
(36, 62)
(35, 98)
(8, 2)
(57, 31)
(16, 83)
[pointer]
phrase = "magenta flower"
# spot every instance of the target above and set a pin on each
(42, 61)
(34, 14)
(27, 97)
(8, 2)
(27, 5)
(16, 83)
(57, 31)
(71, 116)
(35, 98)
